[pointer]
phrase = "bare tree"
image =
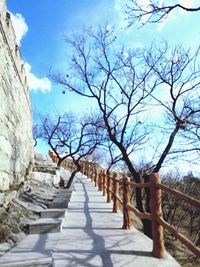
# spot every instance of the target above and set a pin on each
(153, 11)
(114, 157)
(176, 75)
(71, 137)
(110, 78)
(124, 83)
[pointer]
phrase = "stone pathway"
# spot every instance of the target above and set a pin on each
(91, 236)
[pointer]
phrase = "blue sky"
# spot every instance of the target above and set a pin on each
(45, 22)
(40, 27)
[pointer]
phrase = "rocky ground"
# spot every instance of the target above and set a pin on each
(40, 189)
(16, 215)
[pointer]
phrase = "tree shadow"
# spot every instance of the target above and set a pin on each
(99, 248)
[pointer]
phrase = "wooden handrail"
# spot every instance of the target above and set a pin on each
(104, 182)
(100, 181)
(156, 212)
(111, 191)
(110, 186)
(179, 195)
(180, 236)
(139, 185)
(140, 215)
(115, 192)
(119, 199)
(127, 223)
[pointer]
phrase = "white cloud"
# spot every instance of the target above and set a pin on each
(20, 26)
(35, 83)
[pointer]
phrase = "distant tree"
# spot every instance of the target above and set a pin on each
(152, 11)
(71, 137)
(126, 85)
(178, 212)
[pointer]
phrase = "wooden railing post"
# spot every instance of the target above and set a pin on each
(108, 187)
(92, 174)
(91, 171)
(72, 166)
(115, 193)
(100, 180)
(84, 168)
(87, 170)
(104, 182)
(95, 177)
(156, 212)
(81, 170)
(126, 200)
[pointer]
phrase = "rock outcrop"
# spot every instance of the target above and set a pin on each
(38, 209)
(16, 141)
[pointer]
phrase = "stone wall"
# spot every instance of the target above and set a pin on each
(16, 143)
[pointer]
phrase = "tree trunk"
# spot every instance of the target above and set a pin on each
(136, 176)
(71, 179)
(59, 162)
(147, 225)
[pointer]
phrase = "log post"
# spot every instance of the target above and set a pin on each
(100, 180)
(108, 187)
(126, 200)
(104, 182)
(95, 177)
(82, 167)
(156, 212)
(115, 192)
(91, 173)
(87, 170)
(72, 166)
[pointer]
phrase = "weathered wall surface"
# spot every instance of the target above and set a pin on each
(16, 144)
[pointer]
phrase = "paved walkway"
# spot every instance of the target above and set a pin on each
(91, 236)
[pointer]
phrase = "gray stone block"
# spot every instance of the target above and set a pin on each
(52, 213)
(59, 203)
(45, 225)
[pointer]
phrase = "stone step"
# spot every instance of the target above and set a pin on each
(45, 225)
(45, 177)
(59, 203)
(63, 194)
(53, 213)
(42, 262)
(61, 200)
(44, 169)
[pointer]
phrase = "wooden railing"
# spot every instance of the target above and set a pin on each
(109, 184)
